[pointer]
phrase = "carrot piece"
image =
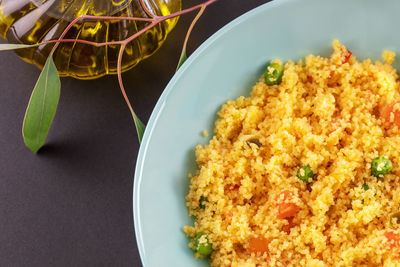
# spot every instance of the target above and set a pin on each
(286, 228)
(393, 239)
(393, 243)
(258, 245)
(391, 114)
(287, 210)
(346, 56)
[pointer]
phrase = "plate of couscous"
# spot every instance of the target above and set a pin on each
(278, 143)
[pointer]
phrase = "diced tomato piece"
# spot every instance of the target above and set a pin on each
(391, 114)
(393, 239)
(393, 243)
(287, 210)
(286, 228)
(346, 56)
(230, 213)
(258, 245)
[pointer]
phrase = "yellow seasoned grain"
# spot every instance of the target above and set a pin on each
(326, 114)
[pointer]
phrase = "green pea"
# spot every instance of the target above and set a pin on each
(305, 174)
(201, 244)
(254, 141)
(365, 187)
(202, 202)
(273, 74)
(380, 166)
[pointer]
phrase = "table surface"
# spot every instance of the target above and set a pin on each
(71, 204)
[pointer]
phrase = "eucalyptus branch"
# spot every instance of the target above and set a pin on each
(138, 123)
(41, 91)
(183, 56)
(193, 23)
(121, 84)
(154, 21)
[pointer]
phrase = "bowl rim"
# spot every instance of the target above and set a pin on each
(161, 102)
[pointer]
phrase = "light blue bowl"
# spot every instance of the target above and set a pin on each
(225, 67)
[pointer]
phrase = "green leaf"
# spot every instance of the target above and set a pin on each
(140, 127)
(182, 58)
(4, 47)
(42, 107)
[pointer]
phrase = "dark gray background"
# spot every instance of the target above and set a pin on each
(71, 205)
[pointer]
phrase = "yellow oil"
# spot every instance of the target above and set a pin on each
(34, 21)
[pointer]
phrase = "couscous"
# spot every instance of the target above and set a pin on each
(304, 171)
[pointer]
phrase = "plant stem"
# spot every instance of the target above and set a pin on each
(148, 12)
(154, 20)
(193, 23)
(121, 84)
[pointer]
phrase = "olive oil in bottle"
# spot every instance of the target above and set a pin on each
(35, 21)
